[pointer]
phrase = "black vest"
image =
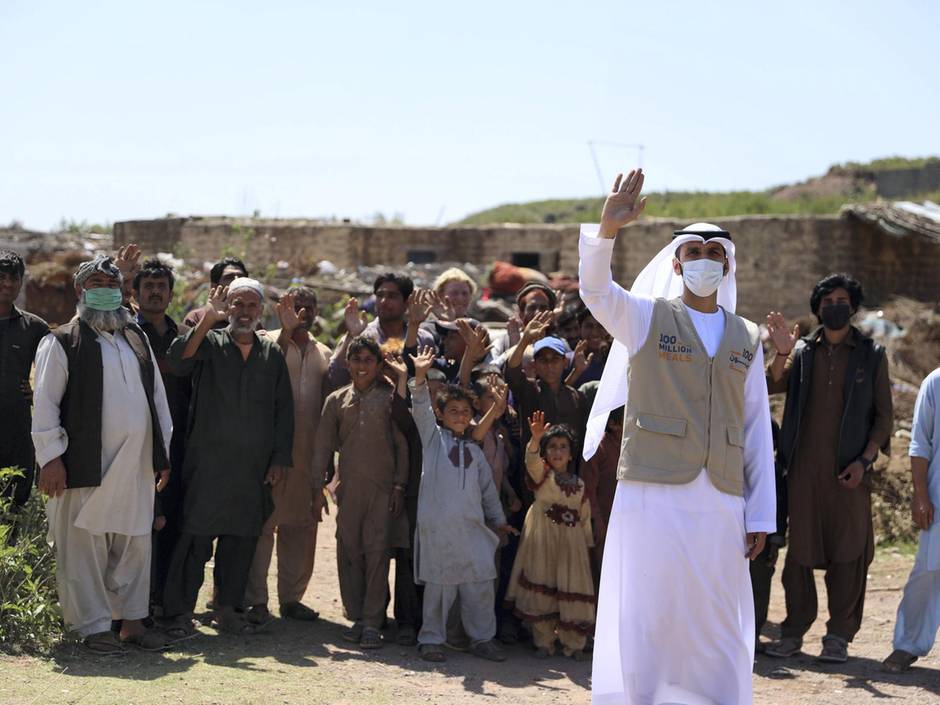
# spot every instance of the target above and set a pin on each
(858, 410)
(80, 409)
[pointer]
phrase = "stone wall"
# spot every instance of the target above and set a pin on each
(779, 257)
(901, 183)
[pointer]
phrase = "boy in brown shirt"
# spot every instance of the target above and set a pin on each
(373, 461)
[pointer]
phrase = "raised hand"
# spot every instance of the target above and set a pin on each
(422, 362)
(440, 306)
(514, 330)
(623, 204)
(477, 340)
(420, 304)
(783, 339)
(290, 319)
(581, 361)
(537, 426)
(500, 392)
(537, 328)
(396, 363)
(355, 322)
(217, 308)
(127, 258)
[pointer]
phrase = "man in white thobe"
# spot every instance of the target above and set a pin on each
(919, 611)
(101, 429)
(696, 493)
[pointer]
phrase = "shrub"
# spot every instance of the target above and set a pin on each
(30, 619)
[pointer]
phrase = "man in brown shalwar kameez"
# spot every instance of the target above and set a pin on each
(373, 474)
(838, 415)
(298, 503)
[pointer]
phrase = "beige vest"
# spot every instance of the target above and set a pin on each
(685, 411)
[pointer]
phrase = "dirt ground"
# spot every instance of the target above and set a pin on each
(293, 663)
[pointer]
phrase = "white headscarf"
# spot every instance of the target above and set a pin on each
(657, 280)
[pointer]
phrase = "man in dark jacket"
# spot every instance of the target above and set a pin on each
(838, 415)
(20, 333)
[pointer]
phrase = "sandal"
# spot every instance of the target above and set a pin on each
(835, 649)
(234, 624)
(179, 629)
(148, 640)
(406, 635)
(785, 648)
(353, 634)
(899, 661)
(104, 644)
(488, 650)
(432, 652)
(371, 639)
(299, 611)
(258, 615)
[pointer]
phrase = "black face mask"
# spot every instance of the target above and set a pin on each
(835, 316)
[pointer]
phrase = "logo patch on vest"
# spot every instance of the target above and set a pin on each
(740, 361)
(674, 350)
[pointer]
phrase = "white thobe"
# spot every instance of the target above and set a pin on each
(919, 611)
(675, 619)
(102, 534)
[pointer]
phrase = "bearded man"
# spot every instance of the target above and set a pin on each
(695, 490)
(101, 428)
(238, 446)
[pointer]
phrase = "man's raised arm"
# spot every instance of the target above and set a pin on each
(626, 317)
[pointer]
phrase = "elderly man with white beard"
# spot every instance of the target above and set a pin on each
(100, 427)
(238, 445)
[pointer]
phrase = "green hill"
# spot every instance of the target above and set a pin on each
(843, 183)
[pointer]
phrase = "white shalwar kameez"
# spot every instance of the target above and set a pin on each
(919, 611)
(102, 534)
(675, 620)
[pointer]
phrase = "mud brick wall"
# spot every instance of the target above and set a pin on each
(779, 258)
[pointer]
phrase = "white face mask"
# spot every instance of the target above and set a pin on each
(703, 276)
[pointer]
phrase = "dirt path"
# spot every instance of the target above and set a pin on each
(298, 664)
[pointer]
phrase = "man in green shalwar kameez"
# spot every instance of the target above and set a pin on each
(239, 443)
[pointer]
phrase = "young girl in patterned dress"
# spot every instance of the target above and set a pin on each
(551, 584)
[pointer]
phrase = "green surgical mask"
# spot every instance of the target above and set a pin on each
(103, 299)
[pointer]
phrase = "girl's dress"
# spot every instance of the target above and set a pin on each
(551, 585)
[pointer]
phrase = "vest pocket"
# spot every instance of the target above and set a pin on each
(662, 424)
(734, 461)
(656, 441)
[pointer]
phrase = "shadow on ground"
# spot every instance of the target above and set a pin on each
(316, 645)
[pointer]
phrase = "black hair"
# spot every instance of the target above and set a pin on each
(558, 430)
(12, 263)
(830, 283)
(215, 274)
(480, 382)
(454, 392)
(583, 314)
(154, 268)
(303, 290)
(362, 342)
(567, 315)
(401, 281)
(536, 286)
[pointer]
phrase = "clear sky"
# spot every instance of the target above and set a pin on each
(114, 110)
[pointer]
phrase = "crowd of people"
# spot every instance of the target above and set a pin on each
(453, 450)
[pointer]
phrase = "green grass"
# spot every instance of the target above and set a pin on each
(690, 205)
(681, 205)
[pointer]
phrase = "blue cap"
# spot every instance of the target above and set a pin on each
(550, 343)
